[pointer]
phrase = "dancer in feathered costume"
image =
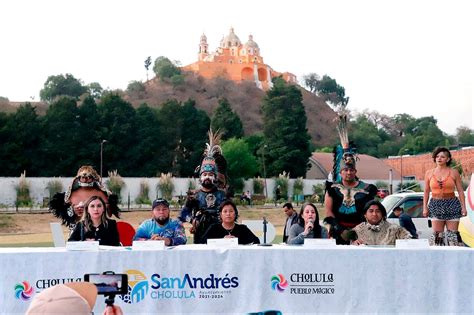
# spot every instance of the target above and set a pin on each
(346, 195)
(201, 207)
(69, 205)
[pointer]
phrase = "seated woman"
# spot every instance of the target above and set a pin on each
(376, 230)
(227, 228)
(94, 225)
(307, 226)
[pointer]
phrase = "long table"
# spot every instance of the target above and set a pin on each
(253, 279)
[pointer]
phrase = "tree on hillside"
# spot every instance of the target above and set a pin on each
(327, 88)
(465, 136)
(147, 65)
(285, 132)
(165, 69)
(136, 89)
(311, 81)
(95, 90)
(227, 121)
(62, 85)
(241, 163)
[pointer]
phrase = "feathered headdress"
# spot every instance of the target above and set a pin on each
(88, 180)
(213, 160)
(344, 153)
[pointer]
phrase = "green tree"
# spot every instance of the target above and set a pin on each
(95, 90)
(227, 121)
(285, 132)
(165, 69)
(312, 81)
(61, 141)
(241, 163)
(62, 85)
(327, 88)
(170, 129)
(147, 65)
(136, 88)
(148, 148)
(118, 127)
(193, 137)
(20, 135)
(465, 136)
(88, 133)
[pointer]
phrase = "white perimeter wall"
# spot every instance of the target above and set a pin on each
(38, 190)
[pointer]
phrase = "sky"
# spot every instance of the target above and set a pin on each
(413, 57)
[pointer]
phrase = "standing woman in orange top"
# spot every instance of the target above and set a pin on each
(444, 208)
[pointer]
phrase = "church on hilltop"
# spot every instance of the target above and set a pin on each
(236, 61)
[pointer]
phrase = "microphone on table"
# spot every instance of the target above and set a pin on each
(265, 233)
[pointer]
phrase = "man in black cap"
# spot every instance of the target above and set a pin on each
(161, 226)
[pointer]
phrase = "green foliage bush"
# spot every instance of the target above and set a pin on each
(115, 184)
(258, 186)
(237, 184)
(165, 186)
(54, 186)
(23, 198)
(143, 196)
(318, 193)
(282, 181)
(298, 186)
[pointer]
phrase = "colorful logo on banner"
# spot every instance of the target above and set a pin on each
(137, 287)
(279, 283)
(305, 283)
(23, 291)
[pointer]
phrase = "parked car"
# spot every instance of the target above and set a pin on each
(412, 204)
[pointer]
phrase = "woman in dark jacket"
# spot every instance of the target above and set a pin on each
(228, 228)
(94, 225)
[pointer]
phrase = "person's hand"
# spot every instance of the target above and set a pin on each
(464, 212)
(156, 237)
(113, 310)
(309, 225)
(229, 236)
(90, 239)
(357, 242)
(425, 212)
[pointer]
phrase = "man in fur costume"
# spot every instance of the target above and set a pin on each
(69, 205)
(201, 207)
(346, 195)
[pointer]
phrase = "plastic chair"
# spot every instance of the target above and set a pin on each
(126, 233)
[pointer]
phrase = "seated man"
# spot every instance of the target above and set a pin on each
(405, 221)
(376, 230)
(161, 226)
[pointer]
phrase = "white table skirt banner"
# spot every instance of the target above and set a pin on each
(252, 279)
